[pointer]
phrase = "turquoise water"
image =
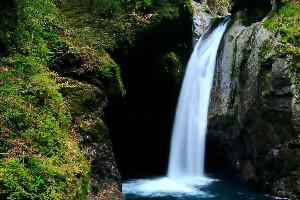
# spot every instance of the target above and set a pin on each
(216, 190)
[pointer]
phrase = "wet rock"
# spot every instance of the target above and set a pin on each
(201, 20)
(254, 112)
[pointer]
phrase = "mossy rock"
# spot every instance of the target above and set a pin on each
(81, 97)
(171, 67)
(219, 7)
(110, 72)
(285, 23)
(93, 128)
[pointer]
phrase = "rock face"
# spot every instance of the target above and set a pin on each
(225, 7)
(201, 20)
(86, 97)
(140, 123)
(254, 112)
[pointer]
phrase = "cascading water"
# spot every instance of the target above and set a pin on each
(190, 126)
(186, 165)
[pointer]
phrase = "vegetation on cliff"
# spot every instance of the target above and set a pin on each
(285, 23)
(40, 156)
(61, 62)
(39, 159)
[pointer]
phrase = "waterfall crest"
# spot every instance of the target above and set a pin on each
(190, 126)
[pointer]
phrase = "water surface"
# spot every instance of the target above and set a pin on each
(211, 189)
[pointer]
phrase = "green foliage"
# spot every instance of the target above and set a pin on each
(34, 125)
(105, 33)
(39, 160)
(80, 97)
(32, 107)
(111, 73)
(33, 18)
(140, 4)
(133, 17)
(173, 67)
(219, 7)
(286, 23)
(35, 177)
(105, 7)
(266, 48)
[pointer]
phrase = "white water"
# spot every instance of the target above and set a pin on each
(160, 187)
(186, 165)
(190, 126)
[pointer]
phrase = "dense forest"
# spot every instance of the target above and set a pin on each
(81, 79)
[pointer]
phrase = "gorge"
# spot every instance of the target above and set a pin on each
(89, 88)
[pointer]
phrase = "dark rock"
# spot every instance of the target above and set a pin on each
(152, 69)
(254, 112)
(86, 103)
(201, 20)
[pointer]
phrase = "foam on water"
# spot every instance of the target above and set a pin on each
(167, 187)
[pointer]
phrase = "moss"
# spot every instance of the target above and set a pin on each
(286, 23)
(111, 73)
(102, 34)
(172, 66)
(86, 103)
(92, 127)
(219, 7)
(37, 124)
(266, 48)
(40, 156)
(233, 67)
(106, 33)
(79, 97)
(40, 160)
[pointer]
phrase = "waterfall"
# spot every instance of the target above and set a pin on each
(187, 152)
(186, 164)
